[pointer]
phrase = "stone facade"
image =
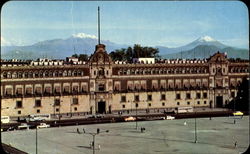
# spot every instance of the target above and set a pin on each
(103, 86)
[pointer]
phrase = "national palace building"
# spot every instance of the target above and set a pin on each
(101, 85)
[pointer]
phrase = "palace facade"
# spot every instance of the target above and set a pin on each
(103, 86)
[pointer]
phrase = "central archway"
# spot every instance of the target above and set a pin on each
(101, 107)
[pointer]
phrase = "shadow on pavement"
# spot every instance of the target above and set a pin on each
(86, 147)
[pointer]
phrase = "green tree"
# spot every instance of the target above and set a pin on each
(136, 52)
(81, 57)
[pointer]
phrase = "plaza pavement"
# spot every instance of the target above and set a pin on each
(160, 137)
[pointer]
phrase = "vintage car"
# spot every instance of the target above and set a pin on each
(43, 125)
(238, 113)
(130, 118)
(23, 126)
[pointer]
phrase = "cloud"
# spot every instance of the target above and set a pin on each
(83, 35)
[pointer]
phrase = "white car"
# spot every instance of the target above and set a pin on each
(43, 125)
(23, 126)
(130, 119)
(170, 118)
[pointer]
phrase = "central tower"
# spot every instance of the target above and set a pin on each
(100, 81)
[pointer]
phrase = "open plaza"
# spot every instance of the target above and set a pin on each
(216, 135)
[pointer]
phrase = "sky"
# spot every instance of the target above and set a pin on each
(149, 23)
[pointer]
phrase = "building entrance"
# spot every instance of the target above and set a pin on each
(101, 107)
(219, 101)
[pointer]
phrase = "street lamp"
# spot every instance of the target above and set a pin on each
(136, 125)
(93, 135)
(36, 137)
(195, 125)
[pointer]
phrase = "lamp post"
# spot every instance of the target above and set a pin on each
(36, 137)
(93, 135)
(136, 125)
(195, 126)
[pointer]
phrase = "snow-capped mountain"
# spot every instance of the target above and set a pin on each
(203, 47)
(80, 43)
(205, 40)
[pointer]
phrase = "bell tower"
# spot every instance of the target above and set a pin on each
(101, 84)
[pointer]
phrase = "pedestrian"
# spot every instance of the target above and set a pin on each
(235, 144)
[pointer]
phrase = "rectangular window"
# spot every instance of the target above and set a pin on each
(149, 104)
(178, 96)
(19, 112)
(75, 101)
(149, 97)
(123, 106)
(188, 103)
(204, 95)
(136, 105)
(29, 91)
(205, 102)
(57, 109)
(75, 108)
(57, 102)
(38, 90)
(188, 96)
(19, 91)
(163, 97)
(163, 104)
(57, 89)
(198, 102)
(66, 89)
(123, 98)
(19, 104)
(137, 98)
(178, 103)
(37, 111)
(198, 95)
(38, 103)
(8, 91)
(75, 89)
(47, 90)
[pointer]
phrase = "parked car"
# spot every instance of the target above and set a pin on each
(23, 126)
(130, 119)
(43, 125)
(170, 118)
(95, 116)
(238, 113)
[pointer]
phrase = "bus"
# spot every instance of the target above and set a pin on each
(5, 119)
(38, 117)
(184, 109)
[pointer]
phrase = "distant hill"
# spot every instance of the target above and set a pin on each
(201, 48)
(85, 44)
(56, 48)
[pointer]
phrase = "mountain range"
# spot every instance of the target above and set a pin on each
(57, 48)
(203, 47)
(82, 43)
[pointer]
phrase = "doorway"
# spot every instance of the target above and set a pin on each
(219, 101)
(101, 107)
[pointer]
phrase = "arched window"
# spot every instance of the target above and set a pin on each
(20, 75)
(14, 75)
(5, 75)
(30, 74)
